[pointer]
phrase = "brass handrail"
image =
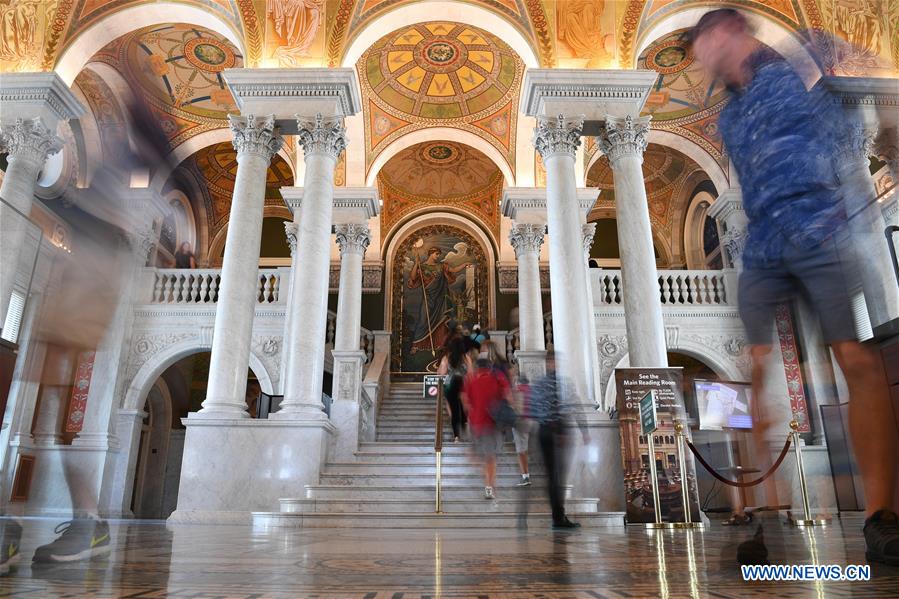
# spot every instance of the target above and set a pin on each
(438, 442)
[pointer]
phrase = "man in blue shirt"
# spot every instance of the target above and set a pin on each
(783, 141)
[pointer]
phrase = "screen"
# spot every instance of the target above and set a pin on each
(723, 405)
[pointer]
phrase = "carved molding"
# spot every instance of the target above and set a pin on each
(624, 137)
(29, 139)
(526, 238)
(557, 135)
(353, 238)
(255, 135)
(508, 278)
(291, 230)
(589, 231)
(322, 135)
(372, 277)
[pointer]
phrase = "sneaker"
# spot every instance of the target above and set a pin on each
(10, 538)
(525, 480)
(882, 537)
(488, 493)
(78, 540)
(565, 524)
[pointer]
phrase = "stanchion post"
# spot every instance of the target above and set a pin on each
(648, 426)
(684, 483)
(438, 445)
(807, 520)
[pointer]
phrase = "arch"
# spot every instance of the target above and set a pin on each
(420, 12)
(693, 227)
(153, 368)
(439, 133)
(426, 217)
(688, 148)
(217, 245)
(770, 32)
(87, 43)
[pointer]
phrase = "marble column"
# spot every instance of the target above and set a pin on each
(527, 239)
(291, 230)
(557, 140)
(256, 141)
(322, 140)
(28, 143)
(866, 225)
(623, 140)
(591, 350)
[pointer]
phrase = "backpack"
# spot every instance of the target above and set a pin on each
(502, 414)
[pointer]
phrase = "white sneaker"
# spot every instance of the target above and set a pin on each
(488, 493)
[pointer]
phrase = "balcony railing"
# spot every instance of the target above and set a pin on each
(201, 286)
(676, 287)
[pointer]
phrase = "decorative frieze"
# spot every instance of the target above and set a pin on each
(526, 238)
(372, 277)
(508, 277)
(624, 137)
(352, 238)
(254, 135)
(557, 135)
(322, 135)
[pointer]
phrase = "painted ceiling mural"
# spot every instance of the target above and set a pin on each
(665, 172)
(216, 167)
(440, 74)
(440, 173)
(178, 68)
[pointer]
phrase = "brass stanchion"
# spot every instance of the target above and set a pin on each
(808, 520)
(438, 444)
(654, 482)
(684, 486)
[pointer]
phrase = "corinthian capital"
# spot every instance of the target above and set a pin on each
(352, 238)
(859, 142)
(589, 231)
(624, 137)
(526, 238)
(29, 139)
(291, 229)
(557, 135)
(322, 136)
(254, 135)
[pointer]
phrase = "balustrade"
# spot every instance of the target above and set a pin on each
(676, 287)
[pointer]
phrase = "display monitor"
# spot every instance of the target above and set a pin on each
(723, 405)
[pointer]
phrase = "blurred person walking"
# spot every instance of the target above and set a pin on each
(549, 407)
(484, 391)
(521, 432)
(784, 142)
(454, 365)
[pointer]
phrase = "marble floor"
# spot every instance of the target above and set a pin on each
(152, 559)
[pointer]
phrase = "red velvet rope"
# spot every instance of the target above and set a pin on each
(751, 483)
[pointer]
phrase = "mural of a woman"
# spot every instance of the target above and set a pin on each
(440, 280)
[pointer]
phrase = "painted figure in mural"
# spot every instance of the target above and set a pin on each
(296, 23)
(18, 22)
(434, 277)
(580, 27)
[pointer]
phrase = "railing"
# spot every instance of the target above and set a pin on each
(676, 287)
(201, 286)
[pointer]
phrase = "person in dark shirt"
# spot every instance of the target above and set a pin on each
(184, 258)
(784, 142)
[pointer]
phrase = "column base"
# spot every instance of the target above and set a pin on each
(236, 466)
(219, 412)
(346, 403)
(531, 363)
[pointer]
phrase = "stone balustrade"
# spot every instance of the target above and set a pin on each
(200, 286)
(676, 287)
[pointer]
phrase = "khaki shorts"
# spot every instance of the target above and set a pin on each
(521, 433)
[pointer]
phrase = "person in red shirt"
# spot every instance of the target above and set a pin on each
(484, 388)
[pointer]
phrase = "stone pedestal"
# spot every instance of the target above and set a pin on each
(531, 364)
(232, 467)
(345, 404)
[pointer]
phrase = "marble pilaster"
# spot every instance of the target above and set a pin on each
(526, 239)
(256, 141)
(623, 141)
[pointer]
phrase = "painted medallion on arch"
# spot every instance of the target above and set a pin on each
(439, 278)
(440, 174)
(440, 74)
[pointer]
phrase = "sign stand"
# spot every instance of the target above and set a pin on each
(648, 426)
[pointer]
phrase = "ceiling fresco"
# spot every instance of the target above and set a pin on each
(440, 173)
(216, 168)
(440, 74)
(665, 172)
(178, 68)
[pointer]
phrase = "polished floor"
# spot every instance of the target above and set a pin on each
(152, 559)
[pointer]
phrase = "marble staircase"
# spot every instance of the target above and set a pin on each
(390, 483)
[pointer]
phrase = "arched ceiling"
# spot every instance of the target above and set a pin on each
(440, 74)
(176, 69)
(440, 174)
(683, 87)
(665, 172)
(215, 170)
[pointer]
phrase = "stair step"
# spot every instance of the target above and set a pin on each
(363, 480)
(476, 505)
(422, 492)
(447, 468)
(453, 521)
